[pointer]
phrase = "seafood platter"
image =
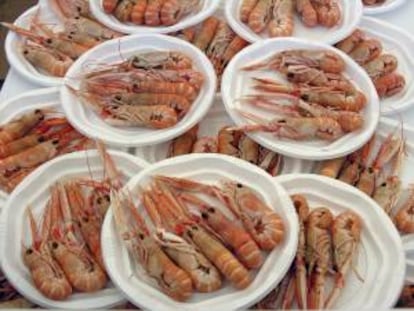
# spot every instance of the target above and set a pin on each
(144, 16)
(205, 154)
(321, 21)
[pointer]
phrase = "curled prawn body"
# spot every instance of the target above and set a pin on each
(204, 275)
(184, 143)
(281, 25)
(19, 127)
(380, 66)
(346, 234)
(124, 9)
(366, 51)
(46, 274)
(221, 40)
(329, 12)
(246, 8)
(264, 225)
(206, 34)
(174, 10)
(351, 42)
(82, 272)
(260, 15)
(152, 12)
(318, 255)
(138, 12)
(307, 12)
(390, 84)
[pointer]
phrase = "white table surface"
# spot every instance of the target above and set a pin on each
(402, 17)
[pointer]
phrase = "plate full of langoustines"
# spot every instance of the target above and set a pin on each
(340, 230)
(184, 213)
(152, 88)
(325, 22)
(56, 265)
(152, 16)
(280, 93)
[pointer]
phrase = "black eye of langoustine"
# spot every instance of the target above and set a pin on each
(29, 251)
(239, 185)
(54, 245)
(211, 210)
(204, 215)
(141, 236)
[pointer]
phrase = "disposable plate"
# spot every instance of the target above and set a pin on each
(207, 8)
(34, 192)
(14, 51)
(215, 119)
(380, 262)
(387, 6)
(237, 83)
(399, 43)
(206, 168)
(351, 14)
(116, 50)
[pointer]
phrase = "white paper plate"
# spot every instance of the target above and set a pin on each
(206, 168)
(408, 244)
(207, 9)
(351, 14)
(215, 119)
(387, 6)
(90, 124)
(34, 192)
(381, 261)
(399, 43)
(237, 83)
(14, 54)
